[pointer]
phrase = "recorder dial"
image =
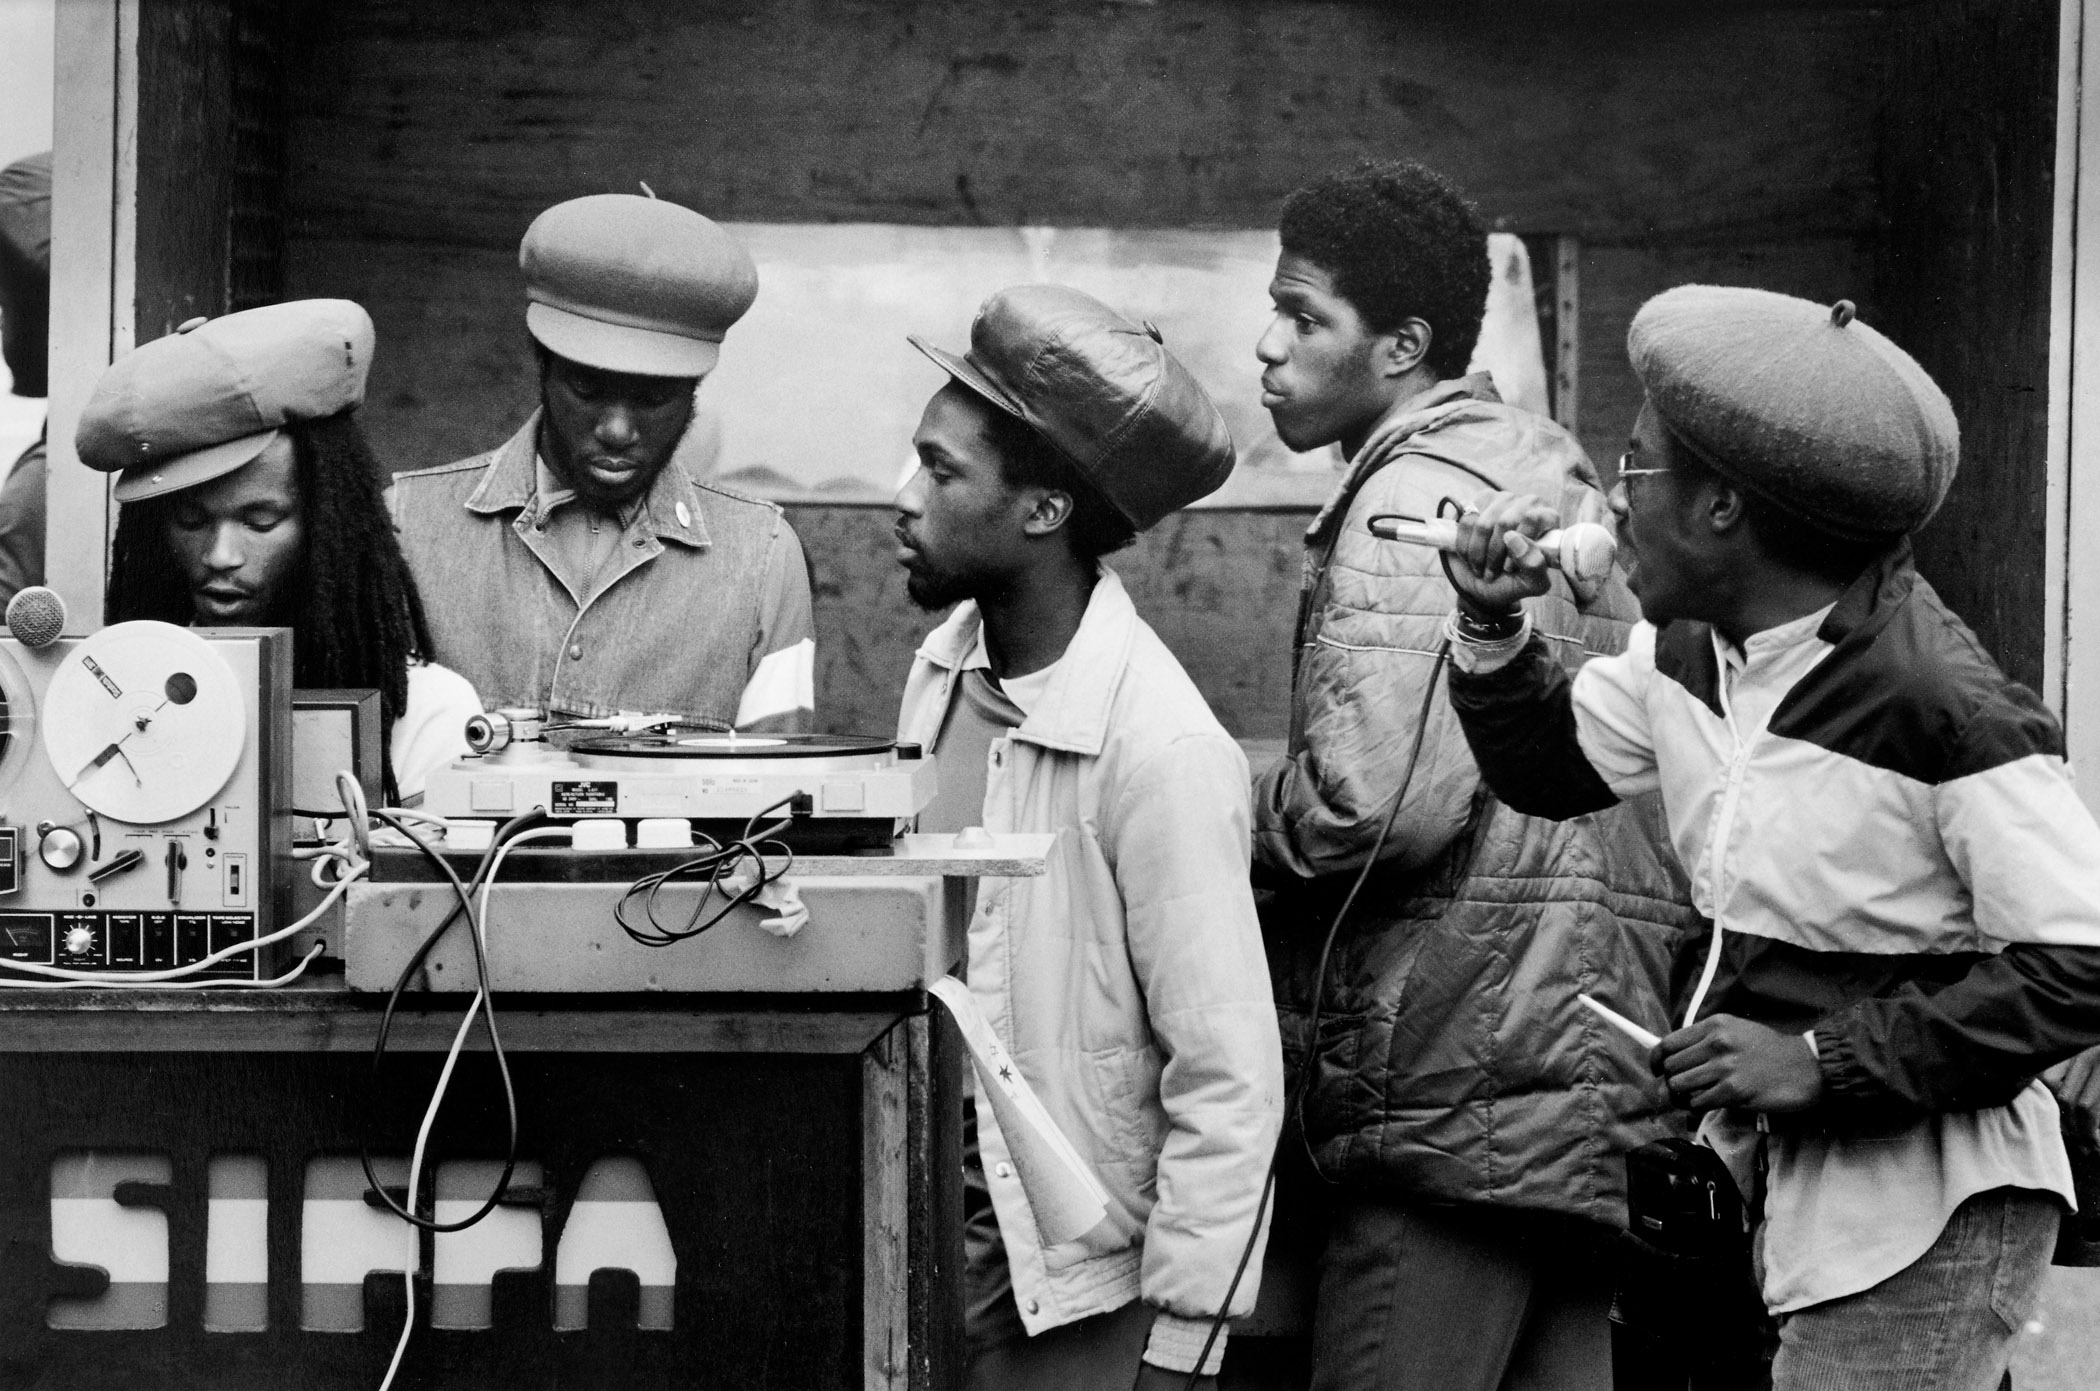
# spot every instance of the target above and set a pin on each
(144, 722)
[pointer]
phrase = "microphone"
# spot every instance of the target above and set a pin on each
(36, 616)
(1583, 551)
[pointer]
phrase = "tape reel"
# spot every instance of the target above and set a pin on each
(144, 722)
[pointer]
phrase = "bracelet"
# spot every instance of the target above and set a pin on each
(1500, 627)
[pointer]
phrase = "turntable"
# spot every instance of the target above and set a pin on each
(837, 792)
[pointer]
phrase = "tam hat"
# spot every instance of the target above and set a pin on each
(209, 397)
(1801, 404)
(630, 284)
(1104, 392)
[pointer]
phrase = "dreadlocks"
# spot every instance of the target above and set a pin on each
(352, 604)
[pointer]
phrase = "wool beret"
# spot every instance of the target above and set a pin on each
(201, 402)
(1799, 403)
(632, 284)
(1105, 393)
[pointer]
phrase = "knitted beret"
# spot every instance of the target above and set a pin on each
(1799, 403)
(632, 284)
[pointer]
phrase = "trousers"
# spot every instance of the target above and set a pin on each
(1946, 1322)
(1419, 1297)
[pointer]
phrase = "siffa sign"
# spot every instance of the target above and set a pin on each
(687, 1219)
(614, 1222)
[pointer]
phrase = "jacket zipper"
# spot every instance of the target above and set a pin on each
(1717, 848)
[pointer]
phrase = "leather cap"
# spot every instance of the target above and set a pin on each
(1801, 404)
(1105, 392)
(209, 397)
(630, 284)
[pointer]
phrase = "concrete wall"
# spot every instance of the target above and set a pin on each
(1731, 143)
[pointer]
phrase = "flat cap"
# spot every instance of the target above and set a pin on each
(201, 402)
(625, 283)
(1801, 404)
(1105, 392)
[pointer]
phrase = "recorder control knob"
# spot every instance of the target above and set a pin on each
(59, 847)
(79, 941)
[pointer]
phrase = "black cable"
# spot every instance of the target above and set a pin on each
(464, 907)
(1301, 1084)
(717, 861)
(1294, 1104)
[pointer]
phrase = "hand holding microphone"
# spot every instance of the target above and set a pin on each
(1500, 551)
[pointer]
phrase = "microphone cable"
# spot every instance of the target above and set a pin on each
(1301, 1082)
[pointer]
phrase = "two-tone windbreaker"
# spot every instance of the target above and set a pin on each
(1882, 828)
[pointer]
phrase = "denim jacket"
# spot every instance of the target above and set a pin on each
(706, 615)
(1127, 982)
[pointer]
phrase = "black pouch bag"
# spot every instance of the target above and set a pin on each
(1686, 1314)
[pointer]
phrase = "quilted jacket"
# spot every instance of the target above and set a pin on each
(1454, 1063)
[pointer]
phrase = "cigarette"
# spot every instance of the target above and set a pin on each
(1620, 1022)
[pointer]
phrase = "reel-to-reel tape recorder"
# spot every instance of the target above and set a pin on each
(144, 785)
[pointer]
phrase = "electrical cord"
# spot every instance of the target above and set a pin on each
(179, 975)
(1301, 1083)
(487, 1014)
(717, 863)
(444, 1082)
(100, 982)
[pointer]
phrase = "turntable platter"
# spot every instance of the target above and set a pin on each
(692, 743)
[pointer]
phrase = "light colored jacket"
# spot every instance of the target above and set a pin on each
(1128, 982)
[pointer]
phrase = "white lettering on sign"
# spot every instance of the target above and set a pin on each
(464, 1263)
(615, 1223)
(128, 1244)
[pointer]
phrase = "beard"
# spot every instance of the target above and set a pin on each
(934, 589)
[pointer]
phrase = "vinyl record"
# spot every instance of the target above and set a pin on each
(690, 742)
(144, 722)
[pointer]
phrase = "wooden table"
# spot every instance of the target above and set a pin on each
(796, 1223)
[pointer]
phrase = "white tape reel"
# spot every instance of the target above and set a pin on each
(144, 722)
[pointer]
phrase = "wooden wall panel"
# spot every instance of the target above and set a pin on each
(185, 182)
(455, 123)
(1617, 280)
(1968, 178)
(1730, 142)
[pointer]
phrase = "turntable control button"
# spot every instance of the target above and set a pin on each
(842, 796)
(489, 794)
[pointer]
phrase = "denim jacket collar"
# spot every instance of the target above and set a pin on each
(512, 484)
(1074, 712)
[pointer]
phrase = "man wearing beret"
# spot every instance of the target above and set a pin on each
(1127, 982)
(251, 497)
(1467, 1116)
(1903, 887)
(583, 566)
